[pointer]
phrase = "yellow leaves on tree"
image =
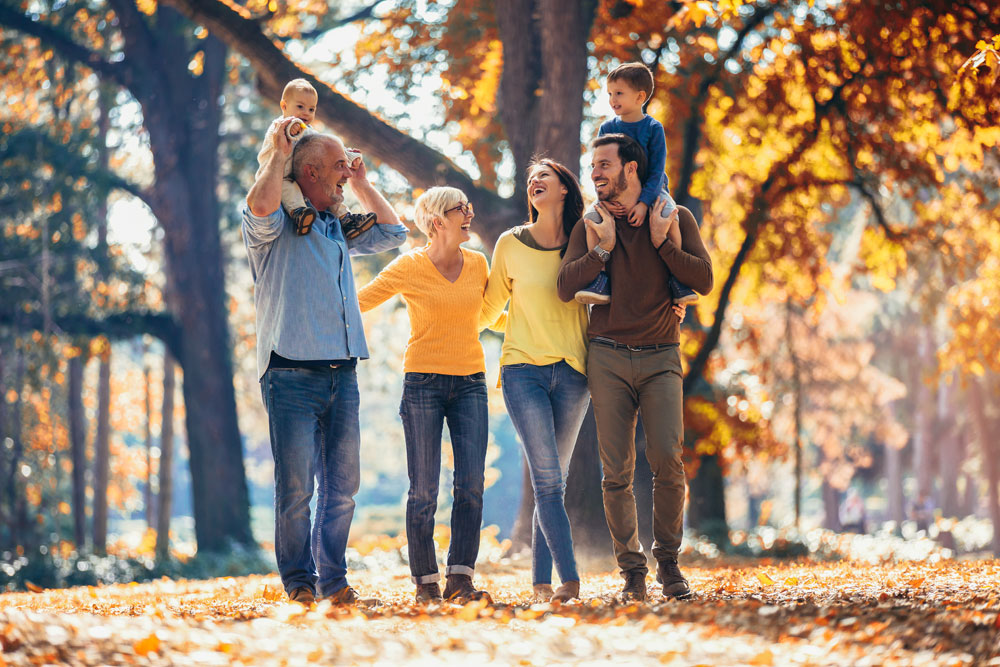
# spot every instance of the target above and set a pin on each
(975, 93)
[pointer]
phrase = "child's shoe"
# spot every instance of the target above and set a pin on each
(596, 293)
(303, 218)
(681, 292)
(356, 224)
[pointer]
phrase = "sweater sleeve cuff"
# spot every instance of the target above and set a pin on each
(666, 249)
(594, 258)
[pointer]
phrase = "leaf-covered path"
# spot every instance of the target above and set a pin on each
(786, 614)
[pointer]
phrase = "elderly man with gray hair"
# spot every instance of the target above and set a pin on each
(309, 339)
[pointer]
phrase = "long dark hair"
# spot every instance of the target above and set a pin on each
(572, 205)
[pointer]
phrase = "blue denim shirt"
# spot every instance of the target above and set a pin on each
(304, 293)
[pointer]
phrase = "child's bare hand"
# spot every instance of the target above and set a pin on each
(295, 128)
(614, 208)
(637, 215)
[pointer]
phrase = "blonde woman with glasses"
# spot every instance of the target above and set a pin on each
(442, 286)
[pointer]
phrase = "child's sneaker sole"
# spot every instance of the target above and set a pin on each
(689, 298)
(592, 298)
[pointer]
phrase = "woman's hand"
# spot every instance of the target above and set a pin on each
(680, 310)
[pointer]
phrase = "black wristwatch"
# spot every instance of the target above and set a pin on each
(602, 254)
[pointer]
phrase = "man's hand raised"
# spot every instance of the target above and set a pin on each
(605, 229)
(659, 225)
(282, 143)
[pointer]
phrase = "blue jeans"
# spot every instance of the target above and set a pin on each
(428, 400)
(547, 405)
(315, 439)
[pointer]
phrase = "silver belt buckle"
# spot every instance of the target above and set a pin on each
(634, 348)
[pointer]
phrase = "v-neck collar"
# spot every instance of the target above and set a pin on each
(465, 263)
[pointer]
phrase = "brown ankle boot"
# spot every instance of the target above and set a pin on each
(541, 593)
(674, 583)
(566, 592)
(430, 592)
(635, 585)
(459, 589)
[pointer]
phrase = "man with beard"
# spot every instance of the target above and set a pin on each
(633, 360)
(309, 339)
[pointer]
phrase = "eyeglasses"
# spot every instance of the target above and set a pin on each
(464, 207)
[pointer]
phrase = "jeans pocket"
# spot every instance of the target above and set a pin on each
(514, 367)
(418, 378)
(475, 377)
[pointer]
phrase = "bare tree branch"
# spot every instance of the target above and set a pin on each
(421, 165)
(117, 326)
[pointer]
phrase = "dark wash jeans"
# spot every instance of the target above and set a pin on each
(428, 400)
(547, 405)
(315, 440)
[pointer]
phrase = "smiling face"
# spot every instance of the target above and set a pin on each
(607, 172)
(544, 187)
(321, 170)
(455, 224)
(625, 100)
(299, 104)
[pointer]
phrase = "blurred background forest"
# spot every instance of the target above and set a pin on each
(840, 156)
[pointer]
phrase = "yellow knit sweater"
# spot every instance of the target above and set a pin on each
(444, 316)
(541, 328)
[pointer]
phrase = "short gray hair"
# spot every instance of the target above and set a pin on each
(310, 150)
(433, 203)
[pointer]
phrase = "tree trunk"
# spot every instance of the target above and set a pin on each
(951, 450)
(987, 430)
(15, 482)
(563, 30)
(923, 447)
(831, 506)
(102, 453)
(707, 500)
(148, 427)
(5, 513)
(218, 479)
(797, 418)
(182, 115)
(78, 451)
(584, 500)
(165, 500)
(894, 482)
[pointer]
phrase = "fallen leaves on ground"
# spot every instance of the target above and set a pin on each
(944, 612)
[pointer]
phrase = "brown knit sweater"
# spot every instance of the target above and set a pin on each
(640, 311)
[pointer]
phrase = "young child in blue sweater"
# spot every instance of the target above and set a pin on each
(629, 87)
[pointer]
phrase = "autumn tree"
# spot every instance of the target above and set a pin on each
(776, 113)
(176, 75)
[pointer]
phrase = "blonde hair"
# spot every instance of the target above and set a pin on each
(298, 86)
(433, 203)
